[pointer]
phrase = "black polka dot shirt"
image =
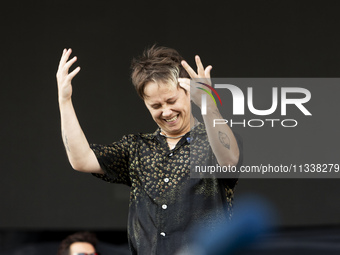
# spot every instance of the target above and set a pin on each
(165, 203)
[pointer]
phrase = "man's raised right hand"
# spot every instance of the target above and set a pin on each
(64, 78)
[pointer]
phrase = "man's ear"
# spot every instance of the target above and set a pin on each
(180, 87)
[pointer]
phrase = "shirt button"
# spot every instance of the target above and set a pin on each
(164, 206)
(162, 234)
(171, 154)
(166, 179)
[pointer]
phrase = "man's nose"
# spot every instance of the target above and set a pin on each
(167, 112)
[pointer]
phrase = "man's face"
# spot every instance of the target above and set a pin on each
(81, 247)
(169, 107)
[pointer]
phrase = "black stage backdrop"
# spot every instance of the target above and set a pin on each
(39, 189)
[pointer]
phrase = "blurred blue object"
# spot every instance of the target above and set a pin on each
(252, 217)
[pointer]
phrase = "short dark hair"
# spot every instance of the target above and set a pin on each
(157, 64)
(85, 236)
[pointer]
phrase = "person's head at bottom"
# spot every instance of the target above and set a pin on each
(81, 243)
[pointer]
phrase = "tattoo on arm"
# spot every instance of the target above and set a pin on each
(224, 139)
(66, 142)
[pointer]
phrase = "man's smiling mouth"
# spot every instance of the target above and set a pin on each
(172, 119)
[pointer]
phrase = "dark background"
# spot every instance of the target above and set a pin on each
(40, 191)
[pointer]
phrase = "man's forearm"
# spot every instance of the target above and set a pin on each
(221, 138)
(78, 150)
